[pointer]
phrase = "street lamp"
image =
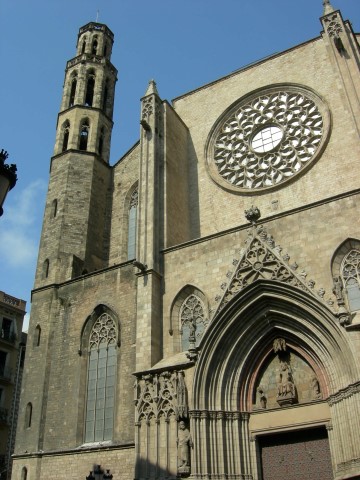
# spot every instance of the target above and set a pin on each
(7, 177)
(98, 474)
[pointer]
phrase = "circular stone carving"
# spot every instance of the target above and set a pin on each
(268, 137)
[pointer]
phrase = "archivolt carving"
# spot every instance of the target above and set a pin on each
(267, 138)
(161, 395)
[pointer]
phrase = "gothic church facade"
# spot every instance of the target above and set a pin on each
(196, 305)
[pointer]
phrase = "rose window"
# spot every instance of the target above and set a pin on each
(266, 139)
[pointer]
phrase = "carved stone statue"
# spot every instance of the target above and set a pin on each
(184, 443)
(315, 388)
(181, 396)
(286, 386)
(338, 289)
(263, 399)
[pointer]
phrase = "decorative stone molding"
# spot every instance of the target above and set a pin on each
(332, 24)
(219, 415)
(147, 108)
(344, 393)
(160, 395)
(254, 146)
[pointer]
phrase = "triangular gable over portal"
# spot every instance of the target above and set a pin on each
(262, 259)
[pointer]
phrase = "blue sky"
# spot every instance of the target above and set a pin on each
(182, 44)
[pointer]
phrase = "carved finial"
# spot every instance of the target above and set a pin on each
(151, 88)
(328, 8)
(252, 214)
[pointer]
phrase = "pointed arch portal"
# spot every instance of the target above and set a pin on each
(269, 362)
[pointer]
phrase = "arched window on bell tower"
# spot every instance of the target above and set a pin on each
(83, 47)
(101, 380)
(66, 133)
(84, 135)
(73, 89)
(94, 46)
(105, 95)
(101, 140)
(90, 89)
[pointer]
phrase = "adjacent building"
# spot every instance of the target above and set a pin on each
(12, 351)
(196, 305)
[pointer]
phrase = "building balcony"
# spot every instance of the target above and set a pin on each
(6, 373)
(9, 337)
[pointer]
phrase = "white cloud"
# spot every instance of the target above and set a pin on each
(20, 226)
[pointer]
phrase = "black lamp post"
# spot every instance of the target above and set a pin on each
(7, 178)
(98, 474)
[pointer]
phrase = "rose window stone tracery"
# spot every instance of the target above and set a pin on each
(267, 138)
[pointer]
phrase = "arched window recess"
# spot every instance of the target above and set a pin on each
(24, 473)
(101, 140)
(28, 415)
(189, 318)
(94, 46)
(132, 224)
(84, 135)
(101, 376)
(66, 134)
(345, 270)
(83, 46)
(350, 274)
(90, 89)
(73, 89)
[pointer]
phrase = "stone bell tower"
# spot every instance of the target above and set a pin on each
(74, 236)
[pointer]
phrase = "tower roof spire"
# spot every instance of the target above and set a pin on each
(151, 88)
(328, 8)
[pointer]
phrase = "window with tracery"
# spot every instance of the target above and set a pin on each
(132, 224)
(101, 380)
(267, 137)
(350, 273)
(192, 321)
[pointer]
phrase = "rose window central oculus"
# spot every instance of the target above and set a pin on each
(267, 139)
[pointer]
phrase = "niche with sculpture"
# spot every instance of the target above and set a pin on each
(284, 379)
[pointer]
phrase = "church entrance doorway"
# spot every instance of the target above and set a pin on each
(297, 455)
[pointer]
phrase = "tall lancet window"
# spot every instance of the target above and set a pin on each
(132, 224)
(73, 90)
(66, 133)
(90, 88)
(101, 380)
(350, 273)
(84, 135)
